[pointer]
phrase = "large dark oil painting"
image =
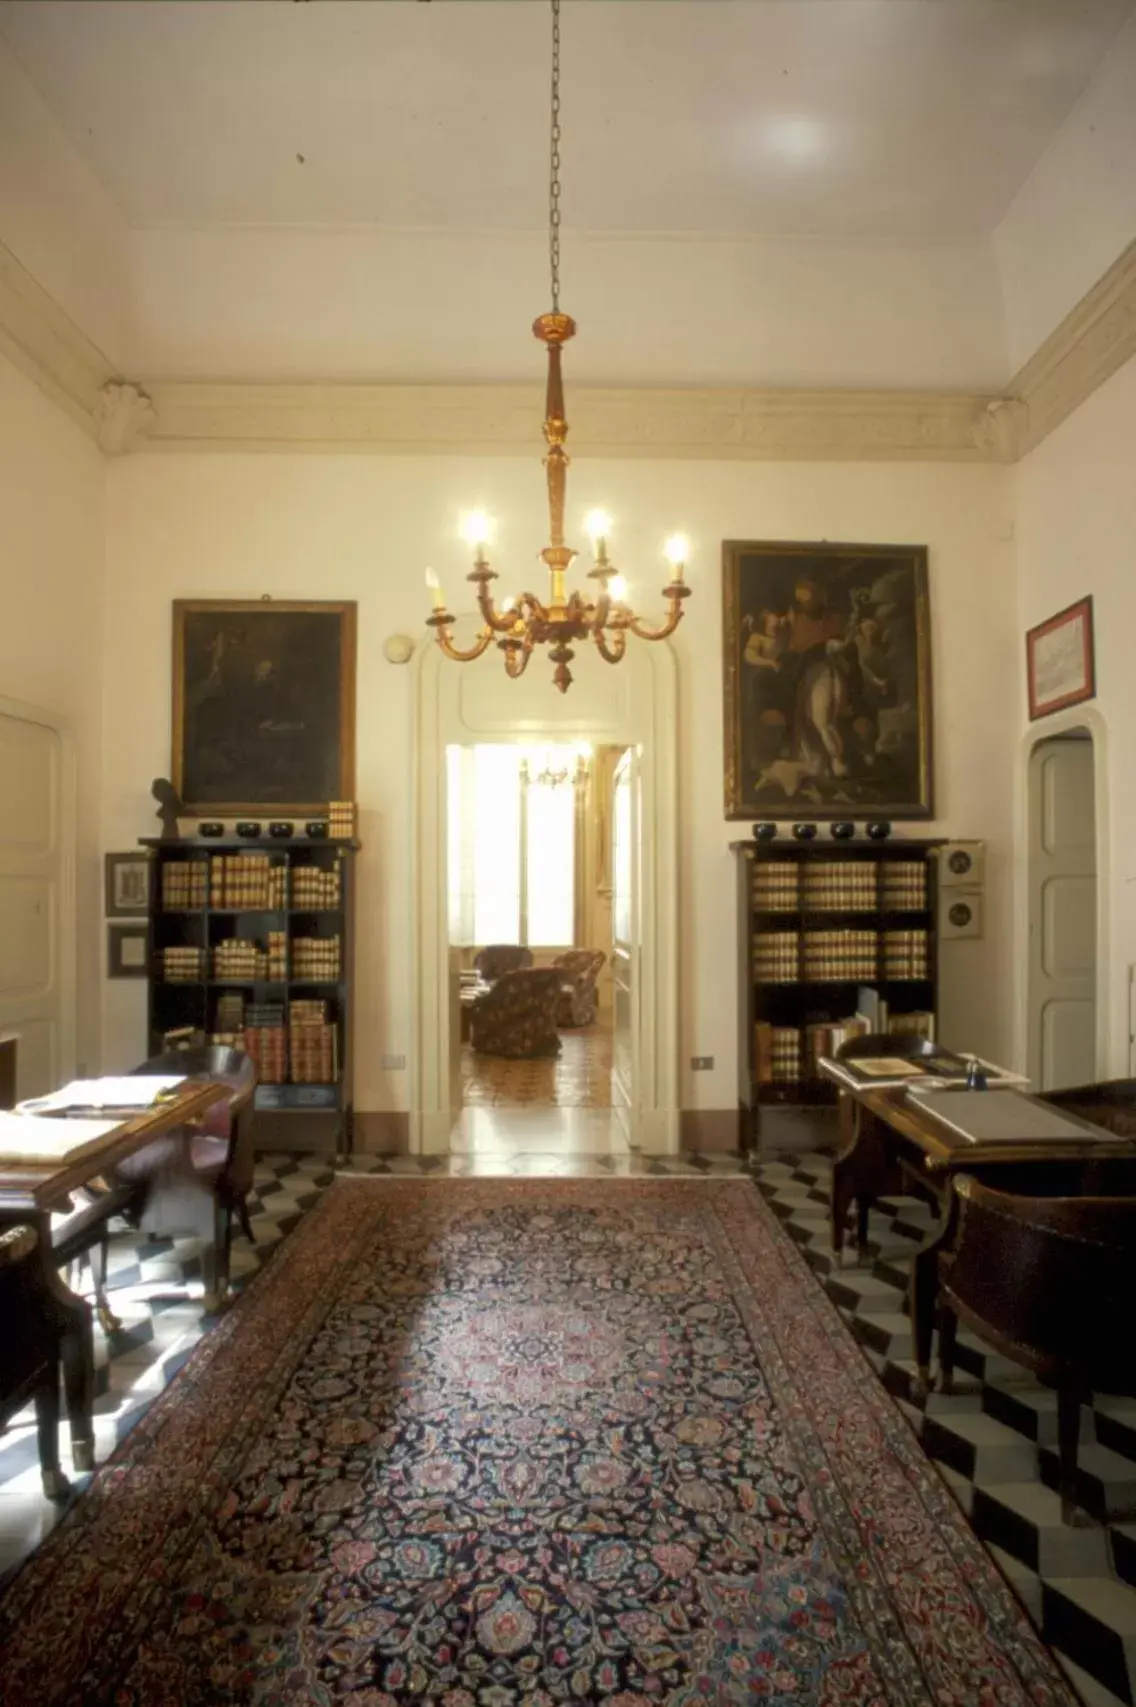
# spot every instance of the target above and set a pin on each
(827, 681)
(264, 704)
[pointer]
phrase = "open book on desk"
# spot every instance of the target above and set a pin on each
(123, 1097)
(42, 1142)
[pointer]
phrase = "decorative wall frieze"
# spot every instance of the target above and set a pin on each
(1088, 347)
(44, 343)
(463, 420)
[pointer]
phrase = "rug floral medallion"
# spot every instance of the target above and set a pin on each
(493, 1442)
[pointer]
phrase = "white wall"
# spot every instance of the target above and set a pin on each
(1077, 535)
(362, 527)
(1077, 211)
(57, 218)
(51, 627)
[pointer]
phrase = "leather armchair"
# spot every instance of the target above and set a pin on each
(1049, 1282)
(493, 962)
(579, 969)
(517, 1017)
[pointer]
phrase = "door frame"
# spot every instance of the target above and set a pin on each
(1086, 721)
(26, 712)
(652, 728)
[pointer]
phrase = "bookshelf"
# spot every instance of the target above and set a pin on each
(834, 938)
(250, 946)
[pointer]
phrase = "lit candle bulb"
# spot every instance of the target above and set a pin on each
(617, 587)
(477, 528)
(437, 596)
(597, 525)
(675, 551)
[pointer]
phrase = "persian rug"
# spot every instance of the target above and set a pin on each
(484, 1442)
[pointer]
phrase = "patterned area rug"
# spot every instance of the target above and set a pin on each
(484, 1442)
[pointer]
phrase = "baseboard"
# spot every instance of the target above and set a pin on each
(382, 1132)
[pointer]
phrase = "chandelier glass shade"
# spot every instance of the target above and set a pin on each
(562, 619)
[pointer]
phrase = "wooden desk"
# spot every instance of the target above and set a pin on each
(891, 1147)
(28, 1196)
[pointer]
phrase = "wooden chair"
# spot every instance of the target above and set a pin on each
(1048, 1281)
(197, 1182)
(876, 1174)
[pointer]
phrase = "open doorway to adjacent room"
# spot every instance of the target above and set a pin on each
(530, 919)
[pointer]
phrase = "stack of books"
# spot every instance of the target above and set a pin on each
(840, 886)
(776, 957)
(839, 956)
(905, 954)
(825, 1037)
(315, 888)
(182, 965)
(316, 959)
(267, 1041)
(919, 1023)
(775, 886)
(239, 959)
(313, 1044)
(183, 885)
(247, 882)
(903, 886)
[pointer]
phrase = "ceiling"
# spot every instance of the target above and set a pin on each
(908, 119)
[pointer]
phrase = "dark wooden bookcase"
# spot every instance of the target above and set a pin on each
(312, 1114)
(815, 985)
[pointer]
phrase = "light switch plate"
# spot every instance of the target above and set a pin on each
(701, 1063)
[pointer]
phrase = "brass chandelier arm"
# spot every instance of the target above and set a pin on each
(460, 654)
(612, 654)
(675, 596)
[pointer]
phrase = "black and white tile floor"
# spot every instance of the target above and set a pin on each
(995, 1445)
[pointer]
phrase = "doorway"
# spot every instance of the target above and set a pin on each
(529, 917)
(1062, 858)
(632, 706)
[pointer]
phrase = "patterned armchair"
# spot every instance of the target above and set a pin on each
(578, 969)
(499, 958)
(518, 1015)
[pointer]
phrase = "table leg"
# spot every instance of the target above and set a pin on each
(55, 1483)
(924, 1290)
(71, 1318)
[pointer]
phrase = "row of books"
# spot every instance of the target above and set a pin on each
(241, 958)
(789, 1054)
(303, 1051)
(184, 885)
(904, 954)
(845, 886)
(247, 881)
(840, 956)
(316, 958)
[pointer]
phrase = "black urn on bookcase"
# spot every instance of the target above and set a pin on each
(251, 946)
(836, 938)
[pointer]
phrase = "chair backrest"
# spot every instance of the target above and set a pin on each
(1050, 1275)
(580, 963)
(905, 1046)
(525, 988)
(1111, 1104)
(230, 1067)
(493, 962)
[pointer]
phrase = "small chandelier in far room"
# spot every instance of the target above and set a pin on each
(524, 621)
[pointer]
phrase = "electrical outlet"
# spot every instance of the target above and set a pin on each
(702, 1063)
(393, 1063)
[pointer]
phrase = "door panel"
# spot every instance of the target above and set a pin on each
(1062, 1021)
(31, 992)
(624, 919)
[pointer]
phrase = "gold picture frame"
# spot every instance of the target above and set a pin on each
(263, 704)
(827, 680)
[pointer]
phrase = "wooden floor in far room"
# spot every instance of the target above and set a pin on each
(579, 1077)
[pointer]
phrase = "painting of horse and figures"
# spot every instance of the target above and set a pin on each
(828, 681)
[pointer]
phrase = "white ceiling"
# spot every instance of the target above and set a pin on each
(912, 119)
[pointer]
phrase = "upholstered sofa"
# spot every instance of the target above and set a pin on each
(578, 970)
(490, 963)
(517, 1016)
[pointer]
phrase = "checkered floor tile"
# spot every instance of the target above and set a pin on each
(995, 1442)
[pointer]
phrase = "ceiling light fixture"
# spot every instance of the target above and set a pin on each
(525, 622)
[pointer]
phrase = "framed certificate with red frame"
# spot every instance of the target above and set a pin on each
(1060, 666)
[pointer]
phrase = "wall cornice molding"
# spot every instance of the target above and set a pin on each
(1088, 347)
(502, 420)
(683, 423)
(45, 344)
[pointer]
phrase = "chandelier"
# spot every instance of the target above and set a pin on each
(601, 614)
(549, 767)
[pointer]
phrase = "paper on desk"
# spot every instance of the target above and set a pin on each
(41, 1141)
(139, 1090)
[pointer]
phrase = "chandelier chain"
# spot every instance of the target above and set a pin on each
(554, 165)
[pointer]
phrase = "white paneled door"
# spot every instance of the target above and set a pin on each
(33, 963)
(1063, 914)
(625, 923)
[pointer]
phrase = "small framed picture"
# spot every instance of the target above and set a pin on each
(126, 951)
(1060, 668)
(127, 885)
